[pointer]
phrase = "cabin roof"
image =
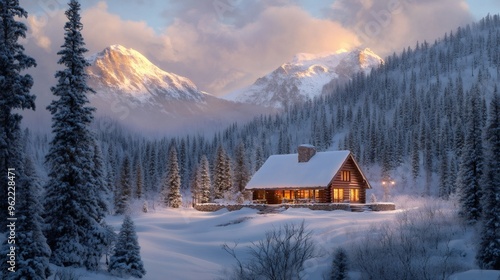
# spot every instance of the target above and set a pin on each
(284, 171)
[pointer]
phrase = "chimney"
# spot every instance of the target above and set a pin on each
(306, 152)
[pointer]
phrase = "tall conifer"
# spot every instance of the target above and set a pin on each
(72, 202)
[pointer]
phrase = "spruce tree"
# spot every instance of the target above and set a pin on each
(33, 253)
(139, 181)
(174, 197)
(126, 260)
(98, 176)
(339, 265)
(204, 184)
(72, 209)
(15, 88)
(222, 179)
(471, 165)
(124, 189)
(488, 255)
(241, 175)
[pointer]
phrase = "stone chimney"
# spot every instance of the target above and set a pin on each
(306, 152)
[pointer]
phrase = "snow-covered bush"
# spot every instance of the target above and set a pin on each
(418, 244)
(280, 255)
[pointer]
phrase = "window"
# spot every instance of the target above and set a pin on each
(346, 176)
(338, 195)
(354, 195)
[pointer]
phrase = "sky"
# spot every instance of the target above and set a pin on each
(223, 45)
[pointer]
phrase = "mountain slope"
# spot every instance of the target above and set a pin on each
(139, 94)
(304, 77)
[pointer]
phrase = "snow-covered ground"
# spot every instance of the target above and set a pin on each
(186, 244)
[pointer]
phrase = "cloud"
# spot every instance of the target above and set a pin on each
(211, 50)
(388, 26)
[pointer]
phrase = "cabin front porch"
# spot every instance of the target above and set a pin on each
(311, 195)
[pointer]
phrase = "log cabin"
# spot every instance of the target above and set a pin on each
(309, 177)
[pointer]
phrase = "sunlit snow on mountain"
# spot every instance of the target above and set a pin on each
(304, 76)
(137, 93)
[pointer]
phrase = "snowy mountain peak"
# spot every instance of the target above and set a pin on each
(304, 76)
(122, 70)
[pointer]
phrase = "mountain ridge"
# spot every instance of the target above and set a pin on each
(137, 93)
(304, 76)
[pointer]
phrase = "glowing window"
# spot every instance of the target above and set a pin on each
(346, 176)
(338, 195)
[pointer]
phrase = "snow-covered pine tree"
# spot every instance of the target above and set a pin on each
(14, 88)
(98, 173)
(194, 185)
(241, 175)
(471, 164)
(488, 255)
(174, 197)
(259, 158)
(33, 253)
(204, 184)
(340, 265)
(111, 167)
(139, 180)
(222, 174)
(126, 260)
(124, 189)
(72, 197)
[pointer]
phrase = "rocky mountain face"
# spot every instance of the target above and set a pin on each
(304, 77)
(138, 94)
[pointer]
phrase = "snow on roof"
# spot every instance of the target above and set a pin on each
(284, 171)
(306, 145)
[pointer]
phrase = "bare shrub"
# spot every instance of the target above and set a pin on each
(416, 245)
(279, 256)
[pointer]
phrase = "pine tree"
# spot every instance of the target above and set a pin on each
(259, 158)
(124, 189)
(14, 88)
(339, 265)
(241, 175)
(72, 207)
(488, 256)
(139, 181)
(111, 167)
(33, 253)
(172, 184)
(471, 164)
(222, 174)
(126, 260)
(444, 182)
(204, 184)
(99, 181)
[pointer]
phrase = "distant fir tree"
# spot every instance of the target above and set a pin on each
(33, 252)
(241, 174)
(471, 164)
(259, 158)
(14, 88)
(126, 260)
(204, 183)
(99, 177)
(340, 265)
(111, 167)
(171, 190)
(488, 255)
(222, 173)
(139, 180)
(124, 189)
(72, 209)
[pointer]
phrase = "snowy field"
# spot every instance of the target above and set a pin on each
(186, 243)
